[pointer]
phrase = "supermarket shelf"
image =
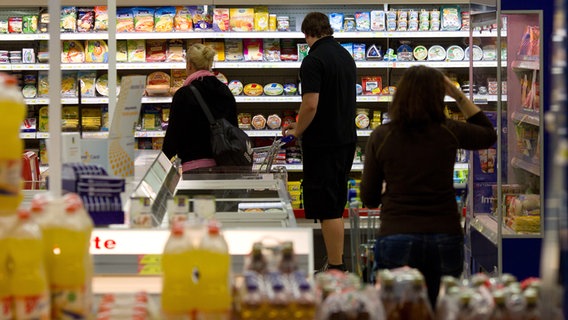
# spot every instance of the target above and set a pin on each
(526, 117)
(27, 135)
(245, 35)
(256, 65)
(149, 65)
(525, 64)
(529, 166)
(149, 134)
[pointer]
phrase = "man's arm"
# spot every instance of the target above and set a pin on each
(307, 112)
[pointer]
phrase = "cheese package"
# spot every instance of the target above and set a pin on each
(221, 21)
(69, 84)
(87, 82)
(372, 84)
(91, 119)
(177, 79)
(236, 87)
(261, 18)
(124, 20)
(68, 19)
(164, 19)
(253, 89)
(158, 83)
(156, 50)
(258, 122)
(273, 121)
(234, 50)
(69, 118)
(219, 47)
(202, 18)
(183, 20)
(175, 51)
(273, 89)
(43, 120)
(271, 49)
(72, 51)
(85, 19)
(101, 85)
(241, 19)
(121, 51)
(101, 18)
(252, 49)
(221, 77)
(136, 50)
(143, 19)
(289, 50)
(96, 51)
(42, 84)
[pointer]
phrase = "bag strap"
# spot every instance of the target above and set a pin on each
(203, 105)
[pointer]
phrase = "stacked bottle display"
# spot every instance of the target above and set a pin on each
(45, 265)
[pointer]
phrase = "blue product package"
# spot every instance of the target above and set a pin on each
(336, 21)
(483, 198)
(359, 50)
(485, 161)
(348, 47)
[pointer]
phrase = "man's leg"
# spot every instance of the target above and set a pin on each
(333, 237)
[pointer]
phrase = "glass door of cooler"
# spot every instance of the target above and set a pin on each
(504, 224)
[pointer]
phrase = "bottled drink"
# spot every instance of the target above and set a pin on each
(71, 263)
(388, 296)
(28, 281)
(279, 302)
(256, 261)
(287, 262)
(252, 301)
(500, 311)
(304, 305)
(13, 109)
(416, 304)
(465, 311)
(214, 261)
(6, 298)
(179, 282)
(532, 310)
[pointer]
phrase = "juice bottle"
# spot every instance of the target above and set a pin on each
(71, 264)
(305, 301)
(6, 298)
(214, 298)
(252, 299)
(256, 261)
(179, 282)
(12, 110)
(28, 281)
(287, 262)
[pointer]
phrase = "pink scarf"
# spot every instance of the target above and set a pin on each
(196, 75)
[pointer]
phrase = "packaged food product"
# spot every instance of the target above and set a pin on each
(261, 18)
(202, 19)
(15, 25)
(436, 53)
(68, 20)
(29, 24)
(363, 21)
(183, 20)
(359, 89)
(455, 53)
(372, 84)
(253, 89)
(101, 18)
(451, 18)
(221, 77)
(178, 77)
(336, 21)
(221, 21)
(258, 122)
(288, 50)
(362, 118)
(158, 83)
(244, 120)
(236, 87)
(96, 51)
(273, 89)
(271, 49)
(290, 89)
(143, 19)
(175, 51)
(390, 90)
(121, 51)
(234, 50)
(378, 20)
(101, 85)
(85, 19)
(124, 20)
(402, 20)
(404, 53)
(91, 118)
(29, 91)
(303, 49)
(420, 53)
(156, 50)
(283, 23)
(43, 21)
(477, 53)
(241, 19)
(374, 53)
(69, 84)
(69, 118)
(43, 120)
(87, 81)
(72, 52)
(136, 50)
(164, 19)
(42, 84)
(273, 121)
(252, 49)
(359, 50)
(272, 21)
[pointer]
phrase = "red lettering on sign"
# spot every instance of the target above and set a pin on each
(106, 244)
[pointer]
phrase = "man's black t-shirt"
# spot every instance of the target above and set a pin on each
(330, 71)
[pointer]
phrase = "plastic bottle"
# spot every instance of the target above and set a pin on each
(304, 302)
(71, 270)
(28, 281)
(279, 301)
(252, 304)
(388, 296)
(214, 298)
(256, 261)
(416, 304)
(179, 281)
(13, 110)
(6, 298)
(287, 262)
(500, 311)
(532, 310)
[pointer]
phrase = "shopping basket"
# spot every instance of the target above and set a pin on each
(364, 225)
(269, 153)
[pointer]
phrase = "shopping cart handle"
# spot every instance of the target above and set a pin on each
(287, 139)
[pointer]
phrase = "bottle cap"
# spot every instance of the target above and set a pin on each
(23, 214)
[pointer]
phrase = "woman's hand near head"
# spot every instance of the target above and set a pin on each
(452, 90)
(465, 105)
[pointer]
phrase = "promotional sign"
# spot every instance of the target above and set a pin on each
(116, 153)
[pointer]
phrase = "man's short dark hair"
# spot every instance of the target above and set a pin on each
(316, 24)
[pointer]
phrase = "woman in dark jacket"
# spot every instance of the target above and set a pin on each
(188, 131)
(408, 171)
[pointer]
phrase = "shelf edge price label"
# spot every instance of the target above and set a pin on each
(144, 259)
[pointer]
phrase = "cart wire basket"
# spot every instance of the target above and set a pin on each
(364, 225)
(270, 152)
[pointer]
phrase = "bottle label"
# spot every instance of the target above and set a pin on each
(10, 176)
(32, 307)
(6, 308)
(70, 303)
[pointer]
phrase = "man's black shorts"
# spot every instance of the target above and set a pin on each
(326, 171)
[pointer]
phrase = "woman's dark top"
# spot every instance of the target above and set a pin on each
(188, 132)
(418, 167)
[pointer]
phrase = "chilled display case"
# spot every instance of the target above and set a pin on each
(505, 222)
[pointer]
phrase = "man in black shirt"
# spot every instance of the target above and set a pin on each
(326, 126)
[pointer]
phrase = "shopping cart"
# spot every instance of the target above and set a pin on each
(364, 225)
(269, 153)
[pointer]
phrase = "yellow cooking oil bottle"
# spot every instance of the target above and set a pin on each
(215, 300)
(180, 278)
(12, 113)
(28, 281)
(6, 298)
(71, 265)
